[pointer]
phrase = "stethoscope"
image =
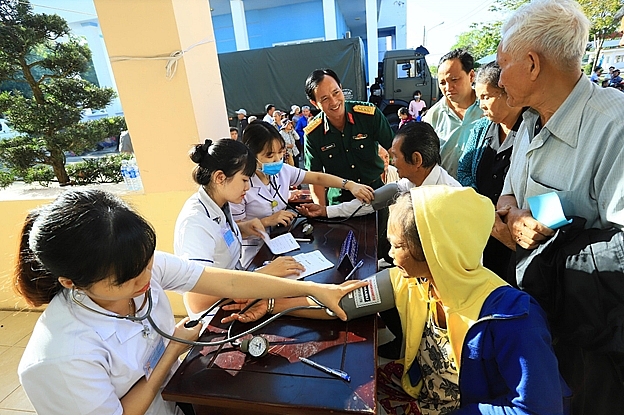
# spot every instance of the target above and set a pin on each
(192, 323)
(235, 232)
(299, 215)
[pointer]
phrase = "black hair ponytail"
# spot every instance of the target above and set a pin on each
(226, 155)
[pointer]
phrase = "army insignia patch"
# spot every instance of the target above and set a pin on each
(312, 125)
(364, 109)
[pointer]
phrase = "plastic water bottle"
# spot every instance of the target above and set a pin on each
(125, 173)
(134, 176)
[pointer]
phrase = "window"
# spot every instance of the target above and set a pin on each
(409, 68)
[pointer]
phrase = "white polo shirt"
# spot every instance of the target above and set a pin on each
(203, 233)
(263, 200)
(80, 362)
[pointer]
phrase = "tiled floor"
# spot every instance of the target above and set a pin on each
(15, 329)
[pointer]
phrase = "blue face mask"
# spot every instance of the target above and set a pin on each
(271, 169)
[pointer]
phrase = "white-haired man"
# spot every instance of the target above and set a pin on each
(572, 142)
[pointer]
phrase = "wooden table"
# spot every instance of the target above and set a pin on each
(227, 381)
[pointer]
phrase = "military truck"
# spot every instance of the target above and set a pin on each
(253, 78)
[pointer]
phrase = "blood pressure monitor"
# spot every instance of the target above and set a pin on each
(257, 346)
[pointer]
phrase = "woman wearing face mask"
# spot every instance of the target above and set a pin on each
(417, 106)
(268, 195)
(205, 231)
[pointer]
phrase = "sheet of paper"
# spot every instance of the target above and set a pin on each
(547, 209)
(313, 262)
(280, 244)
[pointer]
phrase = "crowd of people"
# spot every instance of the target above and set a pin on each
(290, 126)
(476, 329)
(612, 80)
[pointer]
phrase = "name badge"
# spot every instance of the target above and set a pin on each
(328, 147)
(154, 358)
(228, 236)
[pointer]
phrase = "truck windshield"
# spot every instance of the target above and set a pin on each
(408, 68)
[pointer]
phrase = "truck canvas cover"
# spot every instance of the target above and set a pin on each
(253, 78)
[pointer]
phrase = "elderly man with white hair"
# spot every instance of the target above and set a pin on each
(571, 142)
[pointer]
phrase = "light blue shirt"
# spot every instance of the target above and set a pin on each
(453, 131)
(579, 153)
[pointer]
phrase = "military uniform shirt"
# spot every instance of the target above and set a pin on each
(351, 154)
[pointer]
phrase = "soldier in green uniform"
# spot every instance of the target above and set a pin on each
(343, 139)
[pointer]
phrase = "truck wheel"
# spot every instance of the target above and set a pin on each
(393, 119)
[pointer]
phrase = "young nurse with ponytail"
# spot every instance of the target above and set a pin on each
(92, 260)
(205, 231)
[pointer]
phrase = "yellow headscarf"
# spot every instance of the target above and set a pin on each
(454, 225)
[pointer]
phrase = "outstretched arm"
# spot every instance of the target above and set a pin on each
(241, 284)
(362, 192)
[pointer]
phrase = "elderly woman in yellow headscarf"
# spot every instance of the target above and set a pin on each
(473, 344)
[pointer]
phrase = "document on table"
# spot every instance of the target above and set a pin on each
(280, 244)
(313, 262)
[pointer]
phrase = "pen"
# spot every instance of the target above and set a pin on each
(335, 372)
(355, 268)
(303, 239)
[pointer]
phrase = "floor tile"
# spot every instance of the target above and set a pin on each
(23, 342)
(8, 379)
(4, 314)
(12, 412)
(17, 401)
(3, 349)
(17, 326)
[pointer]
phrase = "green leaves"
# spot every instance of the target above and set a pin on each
(38, 50)
(483, 38)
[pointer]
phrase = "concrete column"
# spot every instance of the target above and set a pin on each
(240, 24)
(371, 36)
(165, 116)
(103, 70)
(329, 19)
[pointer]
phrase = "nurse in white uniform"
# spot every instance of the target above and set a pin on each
(204, 230)
(268, 196)
(92, 260)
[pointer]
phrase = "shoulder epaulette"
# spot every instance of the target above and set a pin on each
(312, 125)
(364, 109)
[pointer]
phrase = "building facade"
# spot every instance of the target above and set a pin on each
(252, 24)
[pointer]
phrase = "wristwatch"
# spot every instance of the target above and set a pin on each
(344, 183)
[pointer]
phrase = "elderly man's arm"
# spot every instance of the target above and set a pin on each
(521, 226)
